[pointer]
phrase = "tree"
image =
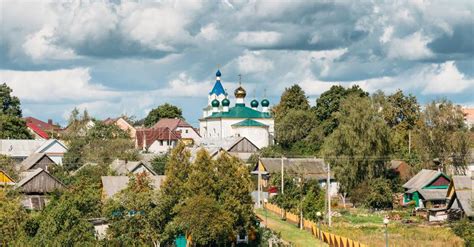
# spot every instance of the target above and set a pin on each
(360, 146)
(12, 126)
(293, 127)
(158, 163)
(293, 98)
(443, 138)
(329, 103)
(163, 111)
(12, 218)
(8, 166)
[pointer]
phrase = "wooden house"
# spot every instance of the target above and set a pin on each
(427, 189)
(5, 180)
(37, 160)
(36, 185)
(460, 197)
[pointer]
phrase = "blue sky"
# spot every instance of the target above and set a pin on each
(127, 57)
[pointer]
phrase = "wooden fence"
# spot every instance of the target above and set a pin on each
(329, 238)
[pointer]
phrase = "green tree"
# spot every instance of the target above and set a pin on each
(330, 102)
(158, 163)
(293, 127)
(444, 139)
(293, 98)
(12, 126)
(360, 146)
(374, 193)
(8, 166)
(163, 111)
(12, 218)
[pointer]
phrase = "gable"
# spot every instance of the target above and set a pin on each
(53, 146)
(244, 146)
(439, 182)
(43, 163)
(41, 183)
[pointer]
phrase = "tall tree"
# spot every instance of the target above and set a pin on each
(360, 146)
(163, 111)
(293, 98)
(12, 218)
(444, 138)
(293, 127)
(12, 126)
(330, 102)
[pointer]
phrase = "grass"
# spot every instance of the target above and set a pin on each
(288, 231)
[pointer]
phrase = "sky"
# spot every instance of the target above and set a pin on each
(123, 57)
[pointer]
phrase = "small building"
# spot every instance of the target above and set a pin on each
(37, 160)
(156, 140)
(35, 186)
(427, 189)
(460, 197)
(124, 167)
(19, 150)
(5, 180)
(239, 147)
(123, 125)
(401, 168)
(111, 185)
(310, 168)
(189, 135)
(42, 130)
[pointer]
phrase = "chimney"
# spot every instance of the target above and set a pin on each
(50, 121)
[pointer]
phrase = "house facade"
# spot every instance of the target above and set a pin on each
(123, 125)
(189, 135)
(156, 140)
(19, 150)
(220, 120)
(427, 189)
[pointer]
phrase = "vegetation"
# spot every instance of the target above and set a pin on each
(12, 126)
(163, 111)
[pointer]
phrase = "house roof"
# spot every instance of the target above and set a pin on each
(218, 89)
(5, 178)
(213, 145)
(155, 134)
(113, 184)
(311, 167)
(172, 123)
(48, 143)
(37, 130)
(29, 175)
(249, 123)
(32, 160)
(463, 186)
(19, 148)
(240, 111)
(123, 167)
(422, 179)
(433, 194)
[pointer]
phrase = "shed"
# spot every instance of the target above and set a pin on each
(460, 197)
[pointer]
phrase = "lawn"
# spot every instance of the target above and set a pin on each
(289, 231)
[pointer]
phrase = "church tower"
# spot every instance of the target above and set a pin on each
(217, 93)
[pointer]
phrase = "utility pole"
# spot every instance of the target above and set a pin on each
(409, 141)
(259, 189)
(329, 195)
(282, 183)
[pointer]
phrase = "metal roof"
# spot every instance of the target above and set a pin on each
(240, 111)
(249, 123)
(421, 179)
(19, 148)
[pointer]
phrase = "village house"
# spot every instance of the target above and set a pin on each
(308, 168)
(112, 185)
(19, 150)
(156, 140)
(239, 147)
(124, 167)
(36, 186)
(189, 135)
(460, 197)
(427, 189)
(42, 130)
(123, 125)
(36, 160)
(5, 180)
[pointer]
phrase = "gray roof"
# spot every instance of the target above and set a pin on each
(114, 184)
(19, 148)
(421, 179)
(123, 167)
(214, 145)
(32, 160)
(433, 194)
(311, 167)
(463, 188)
(30, 174)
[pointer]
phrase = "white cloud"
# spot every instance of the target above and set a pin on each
(39, 46)
(444, 79)
(253, 62)
(209, 32)
(184, 86)
(260, 38)
(411, 47)
(387, 34)
(54, 86)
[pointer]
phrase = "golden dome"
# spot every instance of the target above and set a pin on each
(240, 92)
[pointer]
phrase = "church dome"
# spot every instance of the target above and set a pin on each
(254, 103)
(225, 102)
(265, 103)
(240, 92)
(215, 103)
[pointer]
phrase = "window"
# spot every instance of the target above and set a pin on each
(186, 131)
(161, 143)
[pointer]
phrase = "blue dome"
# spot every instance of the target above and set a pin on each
(265, 103)
(218, 73)
(225, 102)
(254, 103)
(215, 103)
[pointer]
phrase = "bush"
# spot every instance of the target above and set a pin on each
(465, 230)
(374, 194)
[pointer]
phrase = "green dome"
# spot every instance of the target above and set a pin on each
(254, 103)
(215, 103)
(225, 102)
(265, 103)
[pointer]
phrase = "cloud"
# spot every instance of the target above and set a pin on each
(39, 46)
(253, 62)
(411, 47)
(258, 38)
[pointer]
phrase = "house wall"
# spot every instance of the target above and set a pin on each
(440, 181)
(124, 125)
(45, 163)
(189, 133)
(42, 183)
(160, 147)
(35, 202)
(55, 151)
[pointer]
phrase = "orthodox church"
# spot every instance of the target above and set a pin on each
(222, 121)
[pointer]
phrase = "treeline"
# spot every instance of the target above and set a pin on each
(359, 133)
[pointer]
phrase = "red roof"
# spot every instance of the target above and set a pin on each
(171, 123)
(37, 130)
(155, 134)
